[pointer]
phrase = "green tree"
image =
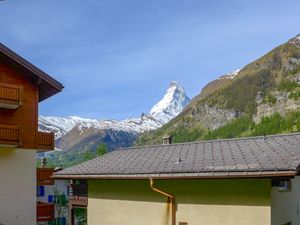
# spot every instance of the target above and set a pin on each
(101, 149)
(88, 156)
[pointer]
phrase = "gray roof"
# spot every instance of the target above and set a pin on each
(276, 155)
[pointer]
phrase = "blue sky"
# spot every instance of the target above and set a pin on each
(116, 57)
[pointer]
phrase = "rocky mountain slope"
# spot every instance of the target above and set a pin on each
(77, 135)
(241, 103)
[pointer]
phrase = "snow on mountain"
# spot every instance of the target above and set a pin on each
(295, 41)
(173, 102)
(61, 126)
(170, 106)
(231, 75)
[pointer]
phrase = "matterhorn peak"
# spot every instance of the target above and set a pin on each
(174, 83)
(173, 102)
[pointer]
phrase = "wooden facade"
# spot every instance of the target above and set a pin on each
(10, 96)
(44, 176)
(19, 98)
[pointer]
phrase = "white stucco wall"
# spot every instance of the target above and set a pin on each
(18, 186)
(285, 205)
(49, 190)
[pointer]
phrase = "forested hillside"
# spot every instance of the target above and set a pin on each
(261, 98)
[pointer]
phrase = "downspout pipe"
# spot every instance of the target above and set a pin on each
(170, 197)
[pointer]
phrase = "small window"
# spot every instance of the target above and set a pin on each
(285, 185)
(183, 223)
(40, 191)
(50, 198)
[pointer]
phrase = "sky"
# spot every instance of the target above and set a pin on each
(116, 58)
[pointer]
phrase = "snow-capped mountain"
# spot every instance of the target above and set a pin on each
(61, 126)
(78, 133)
(231, 75)
(173, 102)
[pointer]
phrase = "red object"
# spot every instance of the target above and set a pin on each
(45, 212)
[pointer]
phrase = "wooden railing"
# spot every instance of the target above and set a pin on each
(44, 176)
(10, 96)
(45, 141)
(78, 200)
(9, 135)
(78, 194)
(45, 212)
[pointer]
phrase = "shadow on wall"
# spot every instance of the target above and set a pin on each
(250, 192)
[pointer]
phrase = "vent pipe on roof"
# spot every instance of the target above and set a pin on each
(167, 140)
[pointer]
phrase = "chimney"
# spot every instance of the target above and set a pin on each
(43, 162)
(167, 140)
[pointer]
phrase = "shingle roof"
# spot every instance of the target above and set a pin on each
(276, 155)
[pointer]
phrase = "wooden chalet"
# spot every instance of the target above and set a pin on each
(22, 87)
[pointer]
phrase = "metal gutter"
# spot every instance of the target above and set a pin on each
(179, 176)
(171, 199)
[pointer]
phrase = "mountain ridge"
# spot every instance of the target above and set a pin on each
(260, 89)
(79, 135)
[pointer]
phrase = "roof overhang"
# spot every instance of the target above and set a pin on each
(180, 176)
(47, 85)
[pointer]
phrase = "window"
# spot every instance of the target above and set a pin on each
(283, 185)
(50, 198)
(40, 191)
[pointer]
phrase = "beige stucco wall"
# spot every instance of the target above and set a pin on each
(199, 202)
(17, 187)
(285, 205)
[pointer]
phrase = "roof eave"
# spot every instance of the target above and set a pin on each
(56, 85)
(179, 176)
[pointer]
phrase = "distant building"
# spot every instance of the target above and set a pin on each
(22, 87)
(247, 181)
(52, 202)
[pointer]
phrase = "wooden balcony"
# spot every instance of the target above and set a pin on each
(78, 194)
(45, 212)
(9, 136)
(10, 96)
(44, 176)
(45, 141)
(78, 200)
